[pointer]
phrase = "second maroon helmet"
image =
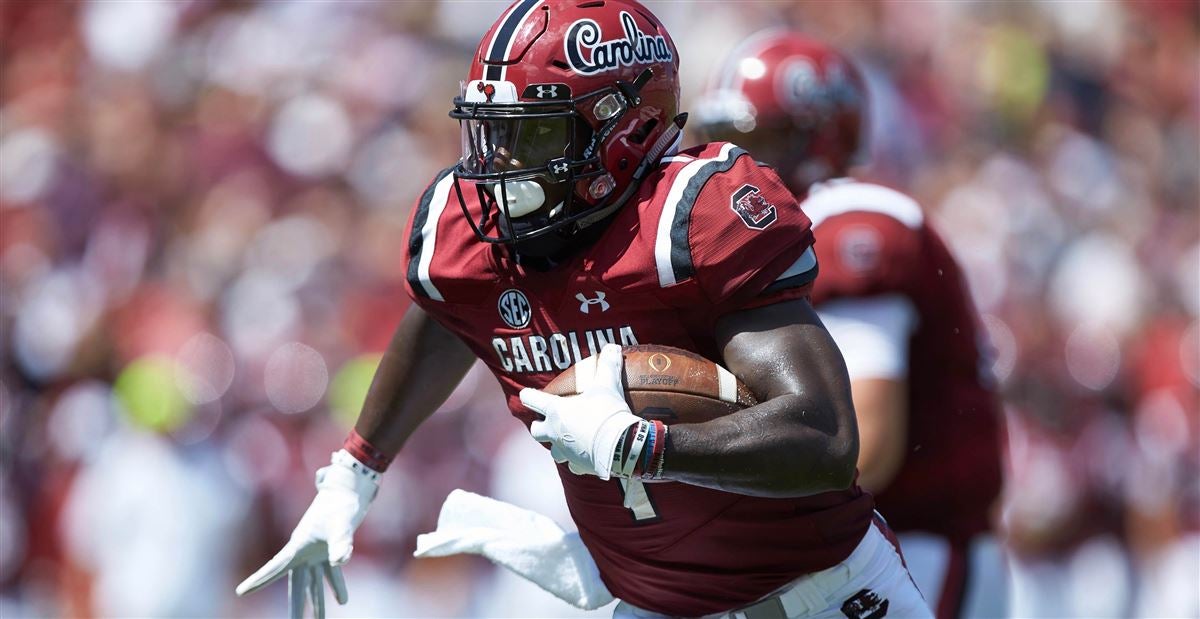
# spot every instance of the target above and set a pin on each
(793, 102)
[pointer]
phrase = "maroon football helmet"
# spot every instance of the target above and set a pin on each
(793, 102)
(567, 105)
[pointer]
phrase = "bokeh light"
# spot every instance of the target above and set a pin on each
(81, 420)
(1093, 356)
(149, 395)
(27, 162)
(295, 378)
(204, 368)
(311, 136)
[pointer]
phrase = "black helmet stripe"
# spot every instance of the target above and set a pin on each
(503, 40)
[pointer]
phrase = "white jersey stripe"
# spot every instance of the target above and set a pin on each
(662, 240)
(441, 194)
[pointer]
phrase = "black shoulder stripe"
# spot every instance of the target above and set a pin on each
(681, 250)
(415, 239)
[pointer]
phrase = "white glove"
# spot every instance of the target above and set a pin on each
(584, 430)
(324, 538)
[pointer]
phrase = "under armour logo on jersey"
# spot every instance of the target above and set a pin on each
(585, 304)
(514, 308)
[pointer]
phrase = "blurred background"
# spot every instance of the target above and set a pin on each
(201, 211)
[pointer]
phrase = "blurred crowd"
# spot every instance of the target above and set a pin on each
(202, 206)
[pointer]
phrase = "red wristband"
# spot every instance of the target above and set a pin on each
(366, 453)
(652, 468)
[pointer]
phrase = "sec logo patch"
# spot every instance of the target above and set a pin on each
(514, 308)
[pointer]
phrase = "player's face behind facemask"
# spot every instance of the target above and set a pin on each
(528, 196)
(520, 149)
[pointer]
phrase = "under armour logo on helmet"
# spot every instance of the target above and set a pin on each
(586, 303)
(547, 91)
(559, 167)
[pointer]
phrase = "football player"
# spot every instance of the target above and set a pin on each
(572, 226)
(896, 303)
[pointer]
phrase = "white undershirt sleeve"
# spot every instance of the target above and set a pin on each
(872, 333)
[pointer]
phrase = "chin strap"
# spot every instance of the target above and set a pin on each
(669, 138)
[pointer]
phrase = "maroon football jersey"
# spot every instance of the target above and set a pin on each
(874, 241)
(708, 232)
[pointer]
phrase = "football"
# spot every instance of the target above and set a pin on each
(665, 383)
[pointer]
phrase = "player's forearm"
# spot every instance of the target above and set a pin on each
(423, 363)
(882, 410)
(802, 438)
(788, 446)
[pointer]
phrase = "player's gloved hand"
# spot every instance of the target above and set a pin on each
(584, 430)
(324, 538)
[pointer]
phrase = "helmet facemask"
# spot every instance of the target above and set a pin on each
(531, 163)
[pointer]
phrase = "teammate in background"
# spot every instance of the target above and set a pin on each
(896, 303)
(569, 226)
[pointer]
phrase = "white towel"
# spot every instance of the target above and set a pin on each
(529, 544)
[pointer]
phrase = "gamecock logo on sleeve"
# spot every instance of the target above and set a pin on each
(749, 204)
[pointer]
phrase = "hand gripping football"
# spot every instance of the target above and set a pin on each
(669, 384)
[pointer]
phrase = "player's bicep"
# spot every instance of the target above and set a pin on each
(782, 349)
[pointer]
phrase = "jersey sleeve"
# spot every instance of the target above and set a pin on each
(865, 254)
(748, 243)
(420, 234)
